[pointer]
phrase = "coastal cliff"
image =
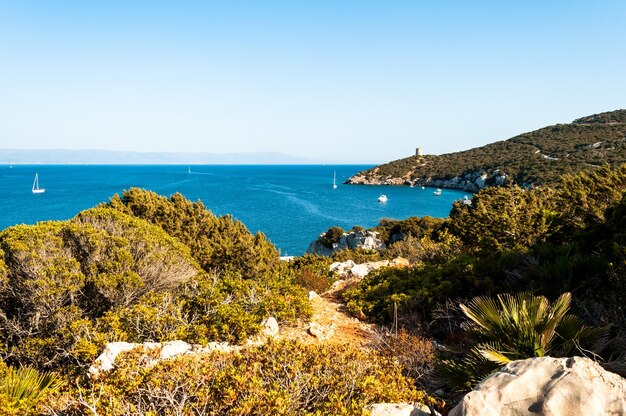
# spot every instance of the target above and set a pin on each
(536, 158)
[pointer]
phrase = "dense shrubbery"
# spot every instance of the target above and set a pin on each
(217, 243)
(275, 379)
(511, 240)
(67, 288)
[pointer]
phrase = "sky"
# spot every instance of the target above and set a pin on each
(347, 81)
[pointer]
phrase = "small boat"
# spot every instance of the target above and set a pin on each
(335, 180)
(36, 188)
(423, 187)
(382, 198)
(188, 169)
(437, 192)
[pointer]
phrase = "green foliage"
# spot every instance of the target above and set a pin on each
(512, 327)
(331, 236)
(392, 231)
(312, 272)
(217, 243)
(417, 289)
(21, 390)
(277, 378)
(505, 219)
(540, 157)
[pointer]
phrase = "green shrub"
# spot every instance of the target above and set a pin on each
(274, 379)
(217, 243)
(331, 236)
(513, 327)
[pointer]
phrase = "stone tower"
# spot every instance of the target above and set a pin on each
(419, 152)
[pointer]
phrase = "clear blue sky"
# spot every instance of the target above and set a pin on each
(353, 81)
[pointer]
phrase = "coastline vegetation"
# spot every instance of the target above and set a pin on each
(144, 267)
(536, 158)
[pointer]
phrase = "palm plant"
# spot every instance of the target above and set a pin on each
(518, 326)
(23, 387)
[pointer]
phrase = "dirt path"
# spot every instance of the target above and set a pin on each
(334, 325)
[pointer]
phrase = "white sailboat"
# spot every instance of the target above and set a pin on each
(382, 198)
(335, 180)
(36, 188)
(437, 192)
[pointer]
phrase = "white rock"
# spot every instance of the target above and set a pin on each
(314, 296)
(173, 348)
(106, 360)
(398, 409)
(270, 327)
(547, 387)
(360, 270)
(321, 332)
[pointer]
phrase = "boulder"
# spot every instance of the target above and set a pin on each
(353, 240)
(360, 270)
(313, 295)
(342, 268)
(547, 386)
(398, 409)
(106, 360)
(321, 332)
(270, 327)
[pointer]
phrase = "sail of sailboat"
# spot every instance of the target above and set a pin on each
(36, 188)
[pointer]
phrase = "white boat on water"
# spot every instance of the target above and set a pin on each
(437, 192)
(382, 198)
(335, 180)
(36, 188)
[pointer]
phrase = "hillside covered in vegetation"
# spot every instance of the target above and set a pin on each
(539, 157)
(519, 273)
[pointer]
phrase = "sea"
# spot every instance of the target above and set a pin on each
(290, 204)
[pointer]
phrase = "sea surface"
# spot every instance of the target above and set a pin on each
(291, 204)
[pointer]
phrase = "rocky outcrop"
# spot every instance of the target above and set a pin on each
(349, 269)
(547, 386)
(470, 182)
(399, 409)
(154, 352)
(353, 240)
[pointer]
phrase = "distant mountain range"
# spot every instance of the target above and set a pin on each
(536, 158)
(61, 156)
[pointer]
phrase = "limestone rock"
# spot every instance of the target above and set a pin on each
(314, 296)
(360, 239)
(342, 268)
(398, 409)
(547, 387)
(270, 327)
(106, 360)
(321, 332)
(174, 348)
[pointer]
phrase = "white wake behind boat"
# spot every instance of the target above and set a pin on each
(335, 180)
(382, 198)
(437, 192)
(36, 188)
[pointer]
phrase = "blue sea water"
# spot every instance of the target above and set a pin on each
(291, 204)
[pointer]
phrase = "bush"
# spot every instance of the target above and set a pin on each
(59, 273)
(331, 236)
(274, 379)
(217, 243)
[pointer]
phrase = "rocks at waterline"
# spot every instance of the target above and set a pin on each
(547, 386)
(353, 240)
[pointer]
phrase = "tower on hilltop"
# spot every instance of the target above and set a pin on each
(419, 151)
